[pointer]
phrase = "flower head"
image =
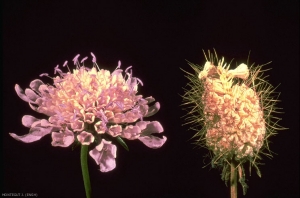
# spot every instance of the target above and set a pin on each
(91, 106)
(234, 109)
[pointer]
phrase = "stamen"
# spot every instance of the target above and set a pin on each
(120, 105)
(94, 57)
(128, 69)
(62, 105)
(140, 81)
(119, 65)
(84, 59)
(103, 117)
(66, 62)
(56, 69)
(44, 74)
(75, 59)
(97, 66)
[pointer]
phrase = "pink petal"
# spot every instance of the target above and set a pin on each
(104, 154)
(21, 93)
(143, 101)
(32, 96)
(44, 90)
(115, 130)
(35, 84)
(27, 120)
(28, 138)
(131, 132)
(143, 108)
(153, 109)
(77, 125)
(150, 99)
(39, 101)
(34, 134)
(36, 124)
(152, 127)
(45, 123)
(100, 127)
(62, 139)
(40, 131)
(152, 141)
(85, 138)
(142, 124)
(33, 106)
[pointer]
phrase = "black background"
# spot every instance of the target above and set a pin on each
(155, 38)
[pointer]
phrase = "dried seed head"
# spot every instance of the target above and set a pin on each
(231, 111)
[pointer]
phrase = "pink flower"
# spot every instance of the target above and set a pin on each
(85, 104)
(105, 154)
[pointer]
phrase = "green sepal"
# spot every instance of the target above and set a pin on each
(121, 141)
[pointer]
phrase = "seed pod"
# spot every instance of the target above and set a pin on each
(231, 111)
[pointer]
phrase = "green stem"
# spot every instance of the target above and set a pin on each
(85, 170)
(233, 179)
